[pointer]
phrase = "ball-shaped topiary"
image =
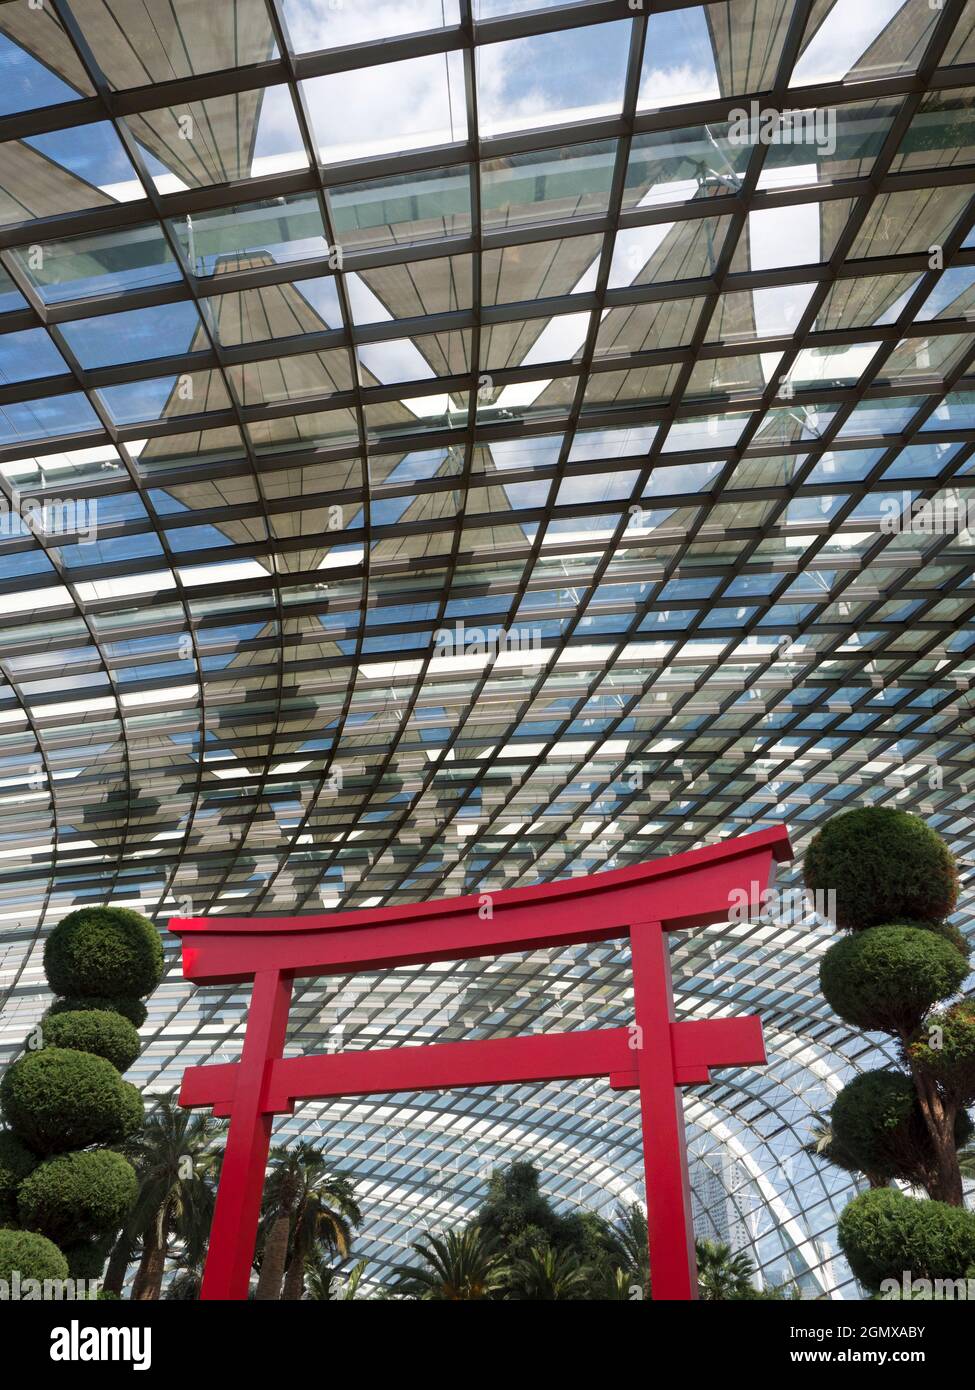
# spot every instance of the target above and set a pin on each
(16, 1162)
(104, 951)
(883, 865)
(107, 1035)
(78, 1196)
(58, 1099)
(132, 1009)
(87, 1259)
(33, 1255)
(877, 1122)
(886, 978)
(882, 1233)
(949, 931)
(945, 1050)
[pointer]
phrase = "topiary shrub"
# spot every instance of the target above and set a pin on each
(104, 951)
(87, 1259)
(16, 1161)
(882, 1233)
(132, 1009)
(33, 1255)
(107, 1035)
(59, 1099)
(78, 1196)
(883, 865)
(945, 1050)
(886, 978)
(877, 1123)
(952, 934)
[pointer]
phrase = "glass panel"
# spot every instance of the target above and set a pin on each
(521, 86)
(556, 184)
(101, 264)
(389, 107)
(318, 24)
(134, 336)
(256, 234)
(139, 43)
(403, 209)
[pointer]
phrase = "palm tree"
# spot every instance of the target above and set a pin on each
(618, 1286)
(456, 1266)
(720, 1273)
(307, 1208)
(321, 1285)
(176, 1158)
(548, 1276)
(629, 1230)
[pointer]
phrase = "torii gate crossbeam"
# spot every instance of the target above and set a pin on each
(656, 1054)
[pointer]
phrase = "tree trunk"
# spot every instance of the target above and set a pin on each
(118, 1265)
(945, 1183)
(274, 1259)
(294, 1279)
(148, 1279)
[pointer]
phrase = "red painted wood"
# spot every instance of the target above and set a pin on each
(238, 1205)
(686, 890)
(673, 1265)
(492, 1062)
(690, 890)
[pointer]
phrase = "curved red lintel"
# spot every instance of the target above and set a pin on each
(563, 890)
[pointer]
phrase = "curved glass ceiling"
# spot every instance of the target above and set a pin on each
(448, 444)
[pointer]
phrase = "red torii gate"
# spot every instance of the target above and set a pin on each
(656, 1056)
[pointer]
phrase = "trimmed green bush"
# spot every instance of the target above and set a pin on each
(87, 1260)
(945, 1049)
(883, 865)
(132, 1009)
(877, 1122)
(107, 1035)
(59, 1099)
(33, 1255)
(78, 1196)
(949, 931)
(882, 1233)
(886, 978)
(104, 951)
(16, 1162)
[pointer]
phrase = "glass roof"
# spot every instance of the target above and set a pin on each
(448, 444)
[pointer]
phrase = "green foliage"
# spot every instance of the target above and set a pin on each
(877, 1123)
(132, 1009)
(455, 1266)
(949, 932)
(86, 1260)
(945, 1050)
(518, 1216)
(722, 1274)
(16, 1162)
(883, 866)
(104, 951)
(59, 1099)
(33, 1255)
(184, 1287)
(107, 1035)
(515, 1214)
(886, 978)
(548, 1276)
(78, 1196)
(883, 1233)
